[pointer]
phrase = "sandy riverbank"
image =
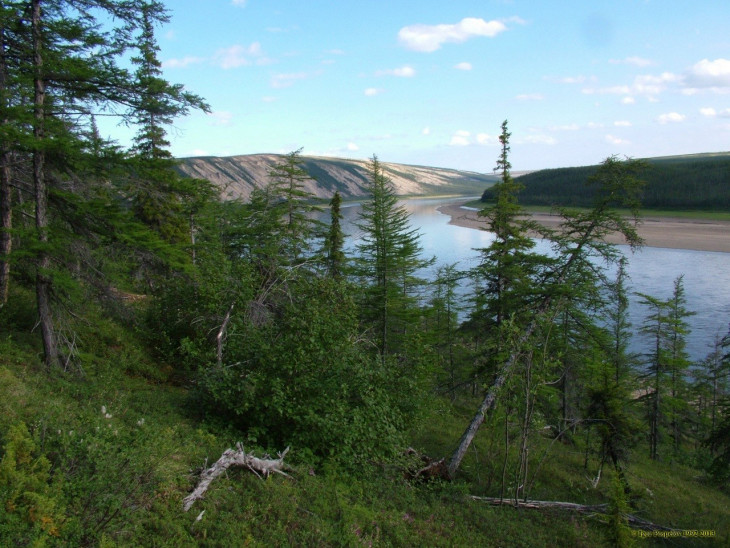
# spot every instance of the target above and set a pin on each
(668, 232)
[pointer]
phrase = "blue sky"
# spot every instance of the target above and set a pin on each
(429, 82)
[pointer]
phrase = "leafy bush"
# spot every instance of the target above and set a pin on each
(305, 380)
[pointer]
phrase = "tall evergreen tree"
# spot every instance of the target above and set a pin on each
(388, 261)
(335, 255)
(294, 204)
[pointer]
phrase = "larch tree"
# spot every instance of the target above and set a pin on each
(388, 261)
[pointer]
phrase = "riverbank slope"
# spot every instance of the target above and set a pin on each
(669, 232)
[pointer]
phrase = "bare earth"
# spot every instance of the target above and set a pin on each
(668, 232)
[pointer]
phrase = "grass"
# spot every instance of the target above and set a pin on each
(122, 477)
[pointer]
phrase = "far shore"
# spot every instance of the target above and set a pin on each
(674, 233)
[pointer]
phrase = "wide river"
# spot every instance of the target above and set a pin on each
(652, 270)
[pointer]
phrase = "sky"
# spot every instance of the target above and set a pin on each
(430, 82)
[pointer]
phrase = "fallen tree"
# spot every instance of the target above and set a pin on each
(262, 467)
(631, 520)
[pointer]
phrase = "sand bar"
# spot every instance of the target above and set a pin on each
(674, 233)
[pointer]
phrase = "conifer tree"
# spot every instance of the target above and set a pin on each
(335, 256)
(388, 261)
(293, 202)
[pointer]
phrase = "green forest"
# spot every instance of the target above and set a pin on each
(691, 182)
(178, 370)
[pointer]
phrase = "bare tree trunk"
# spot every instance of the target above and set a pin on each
(6, 219)
(43, 281)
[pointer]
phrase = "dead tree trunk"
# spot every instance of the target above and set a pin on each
(43, 279)
(238, 457)
(6, 220)
(631, 519)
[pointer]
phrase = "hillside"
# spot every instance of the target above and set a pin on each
(693, 181)
(237, 176)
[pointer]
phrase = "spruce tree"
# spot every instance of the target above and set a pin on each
(335, 256)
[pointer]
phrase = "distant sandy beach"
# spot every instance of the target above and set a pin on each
(697, 234)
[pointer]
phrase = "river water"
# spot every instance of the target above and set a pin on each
(652, 270)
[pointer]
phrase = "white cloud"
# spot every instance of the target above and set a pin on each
(540, 139)
(628, 101)
(463, 66)
(199, 152)
(268, 99)
(613, 140)
(402, 72)
(706, 75)
(426, 131)
(460, 138)
(239, 56)
(182, 63)
(220, 118)
(530, 97)
(594, 125)
(428, 38)
(671, 117)
(352, 147)
(712, 113)
(240, 3)
(485, 139)
(279, 81)
(370, 92)
(622, 123)
(635, 61)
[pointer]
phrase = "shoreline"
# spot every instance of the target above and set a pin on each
(668, 232)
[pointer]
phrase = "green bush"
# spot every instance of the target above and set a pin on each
(304, 380)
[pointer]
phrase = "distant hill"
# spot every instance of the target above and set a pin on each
(692, 181)
(237, 176)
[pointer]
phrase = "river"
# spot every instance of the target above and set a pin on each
(651, 270)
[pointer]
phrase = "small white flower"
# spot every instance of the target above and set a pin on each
(103, 409)
(140, 422)
(108, 415)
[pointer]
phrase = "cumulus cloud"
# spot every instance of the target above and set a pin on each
(530, 97)
(712, 113)
(352, 147)
(540, 139)
(709, 74)
(426, 131)
(370, 92)
(182, 63)
(460, 138)
(402, 72)
(463, 66)
(486, 139)
(628, 101)
(613, 140)
(239, 56)
(671, 117)
(622, 123)
(428, 38)
(635, 61)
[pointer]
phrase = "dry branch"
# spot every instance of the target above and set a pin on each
(631, 519)
(238, 457)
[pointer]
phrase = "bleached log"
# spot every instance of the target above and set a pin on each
(632, 520)
(262, 467)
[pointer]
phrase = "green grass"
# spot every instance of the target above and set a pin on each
(122, 477)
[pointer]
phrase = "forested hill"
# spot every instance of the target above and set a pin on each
(695, 181)
(237, 176)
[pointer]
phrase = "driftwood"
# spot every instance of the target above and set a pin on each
(238, 457)
(632, 520)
